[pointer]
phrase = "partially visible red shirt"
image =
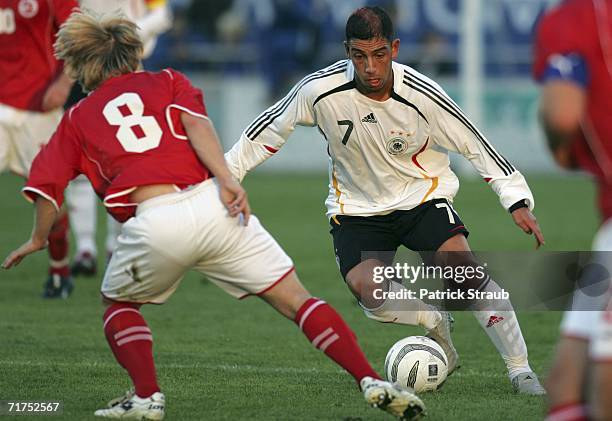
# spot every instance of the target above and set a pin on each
(27, 64)
(127, 133)
(575, 26)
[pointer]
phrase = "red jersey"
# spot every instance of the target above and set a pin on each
(585, 28)
(127, 133)
(27, 64)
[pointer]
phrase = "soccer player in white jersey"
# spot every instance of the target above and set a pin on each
(153, 18)
(144, 141)
(389, 130)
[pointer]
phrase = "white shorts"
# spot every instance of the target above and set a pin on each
(22, 134)
(600, 349)
(583, 323)
(580, 324)
(191, 229)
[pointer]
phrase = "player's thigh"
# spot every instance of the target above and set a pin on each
(432, 224)
(6, 147)
(151, 257)
(32, 136)
(244, 260)
(359, 239)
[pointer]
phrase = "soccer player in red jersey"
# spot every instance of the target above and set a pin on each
(573, 63)
(153, 18)
(144, 141)
(34, 88)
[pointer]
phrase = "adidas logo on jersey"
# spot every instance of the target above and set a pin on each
(369, 119)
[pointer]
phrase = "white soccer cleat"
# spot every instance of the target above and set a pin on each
(128, 395)
(403, 404)
(441, 333)
(132, 407)
(528, 384)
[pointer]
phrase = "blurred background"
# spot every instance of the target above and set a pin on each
(246, 54)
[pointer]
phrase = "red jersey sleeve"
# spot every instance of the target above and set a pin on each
(63, 10)
(559, 32)
(186, 98)
(56, 164)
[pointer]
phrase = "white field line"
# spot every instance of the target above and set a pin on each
(222, 367)
(462, 372)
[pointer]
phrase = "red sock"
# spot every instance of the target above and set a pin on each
(568, 412)
(130, 339)
(58, 247)
(326, 330)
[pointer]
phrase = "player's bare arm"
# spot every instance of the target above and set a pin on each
(203, 138)
(561, 109)
(57, 93)
(45, 217)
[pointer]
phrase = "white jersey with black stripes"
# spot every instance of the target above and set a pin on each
(383, 156)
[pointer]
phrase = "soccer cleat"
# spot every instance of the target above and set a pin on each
(403, 404)
(128, 395)
(132, 407)
(58, 286)
(441, 333)
(528, 384)
(84, 264)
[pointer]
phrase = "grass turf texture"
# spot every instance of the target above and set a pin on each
(222, 359)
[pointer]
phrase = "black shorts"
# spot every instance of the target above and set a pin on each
(424, 228)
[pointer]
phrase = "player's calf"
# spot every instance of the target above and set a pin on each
(59, 283)
(131, 341)
(566, 379)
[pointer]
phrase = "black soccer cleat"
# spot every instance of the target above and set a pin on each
(58, 286)
(85, 264)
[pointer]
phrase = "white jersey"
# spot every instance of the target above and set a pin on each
(383, 156)
(153, 17)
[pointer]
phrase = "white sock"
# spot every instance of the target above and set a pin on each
(404, 311)
(113, 228)
(504, 331)
(82, 210)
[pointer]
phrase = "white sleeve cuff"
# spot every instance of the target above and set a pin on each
(511, 189)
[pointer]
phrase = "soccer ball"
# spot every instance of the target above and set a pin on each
(416, 362)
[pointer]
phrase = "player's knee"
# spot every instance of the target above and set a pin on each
(380, 315)
(360, 281)
(287, 296)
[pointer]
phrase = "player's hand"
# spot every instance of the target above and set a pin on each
(528, 223)
(17, 256)
(234, 197)
(56, 94)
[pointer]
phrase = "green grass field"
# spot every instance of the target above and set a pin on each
(222, 359)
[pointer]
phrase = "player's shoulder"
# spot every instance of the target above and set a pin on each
(170, 73)
(327, 78)
(417, 83)
(570, 15)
